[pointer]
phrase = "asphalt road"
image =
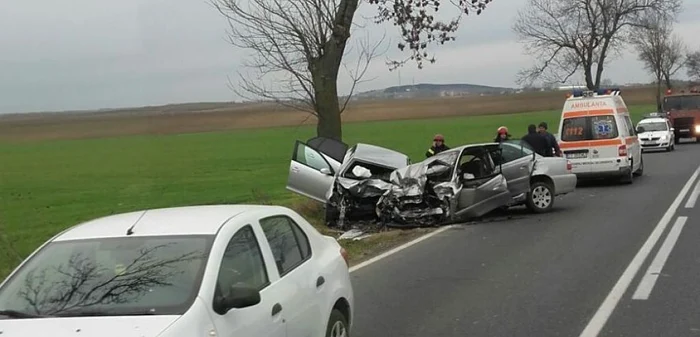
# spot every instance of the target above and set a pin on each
(549, 275)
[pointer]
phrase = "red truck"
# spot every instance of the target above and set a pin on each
(683, 110)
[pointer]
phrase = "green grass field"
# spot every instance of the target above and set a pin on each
(49, 186)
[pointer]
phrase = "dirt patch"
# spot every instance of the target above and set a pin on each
(204, 117)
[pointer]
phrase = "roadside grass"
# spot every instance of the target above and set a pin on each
(47, 186)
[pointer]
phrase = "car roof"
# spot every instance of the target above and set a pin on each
(462, 147)
(186, 220)
(653, 120)
(379, 155)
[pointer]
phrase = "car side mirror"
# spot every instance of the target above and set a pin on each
(239, 297)
(640, 129)
(672, 129)
(325, 171)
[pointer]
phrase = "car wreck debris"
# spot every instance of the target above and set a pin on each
(420, 195)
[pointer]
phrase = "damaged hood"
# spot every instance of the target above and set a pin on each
(364, 188)
(410, 181)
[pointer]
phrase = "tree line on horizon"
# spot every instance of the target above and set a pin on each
(305, 44)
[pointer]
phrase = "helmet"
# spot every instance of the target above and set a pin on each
(503, 130)
(439, 137)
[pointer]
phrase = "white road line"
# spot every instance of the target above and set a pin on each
(693, 198)
(398, 249)
(647, 284)
(606, 308)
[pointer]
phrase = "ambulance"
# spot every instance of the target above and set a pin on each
(597, 136)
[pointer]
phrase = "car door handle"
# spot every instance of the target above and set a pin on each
(320, 281)
(524, 167)
(276, 309)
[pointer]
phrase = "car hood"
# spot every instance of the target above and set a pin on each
(653, 134)
(117, 326)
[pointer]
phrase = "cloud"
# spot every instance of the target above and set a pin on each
(95, 54)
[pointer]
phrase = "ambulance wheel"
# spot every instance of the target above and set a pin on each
(628, 176)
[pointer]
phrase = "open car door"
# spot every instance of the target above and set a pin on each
(484, 188)
(314, 165)
(517, 162)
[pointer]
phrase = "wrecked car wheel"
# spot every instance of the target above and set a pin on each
(541, 197)
(332, 216)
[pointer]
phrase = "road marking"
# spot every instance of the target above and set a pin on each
(398, 249)
(606, 308)
(693, 198)
(647, 284)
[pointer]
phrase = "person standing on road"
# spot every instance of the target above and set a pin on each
(438, 146)
(502, 135)
(551, 140)
(537, 142)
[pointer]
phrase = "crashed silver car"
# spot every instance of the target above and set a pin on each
(349, 181)
(472, 180)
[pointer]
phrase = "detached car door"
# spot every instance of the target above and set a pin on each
(482, 192)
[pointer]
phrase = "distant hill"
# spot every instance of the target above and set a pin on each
(433, 90)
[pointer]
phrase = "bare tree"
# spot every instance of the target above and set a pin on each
(571, 36)
(301, 44)
(661, 51)
(692, 65)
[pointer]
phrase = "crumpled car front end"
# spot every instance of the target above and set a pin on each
(355, 200)
(421, 194)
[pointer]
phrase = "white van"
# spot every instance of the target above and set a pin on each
(597, 135)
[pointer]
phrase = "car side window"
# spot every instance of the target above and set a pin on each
(303, 154)
(243, 263)
(510, 153)
(290, 245)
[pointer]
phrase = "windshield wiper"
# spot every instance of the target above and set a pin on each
(19, 314)
(104, 313)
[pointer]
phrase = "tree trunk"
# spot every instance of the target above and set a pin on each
(668, 81)
(327, 107)
(658, 95)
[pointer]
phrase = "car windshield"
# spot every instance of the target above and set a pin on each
(109, 277)
(682, 102)
(589, 128)
(655, 126)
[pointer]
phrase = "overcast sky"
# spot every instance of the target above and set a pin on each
(103, 54)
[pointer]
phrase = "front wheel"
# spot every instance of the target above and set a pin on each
(337, 325)
(541, 197)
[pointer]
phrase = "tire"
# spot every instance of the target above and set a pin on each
(628, 178)
(673, 146)
(541, 197)
(640, 170)
(337, 325)
(332, 216)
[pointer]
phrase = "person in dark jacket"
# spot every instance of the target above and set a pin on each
(438, 146)
(502, 135)
(542, 129)
(537, 142)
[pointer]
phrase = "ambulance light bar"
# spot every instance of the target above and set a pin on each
(599, 92)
